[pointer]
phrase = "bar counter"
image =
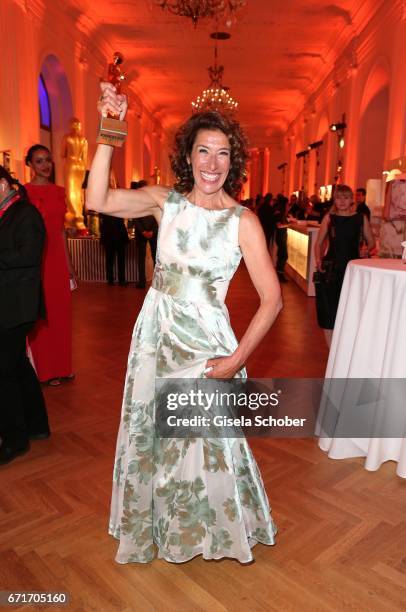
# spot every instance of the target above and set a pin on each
(301, 261)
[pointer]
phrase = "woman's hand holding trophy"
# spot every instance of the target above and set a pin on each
(112, 106)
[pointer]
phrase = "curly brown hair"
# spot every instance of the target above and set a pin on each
(185, 138)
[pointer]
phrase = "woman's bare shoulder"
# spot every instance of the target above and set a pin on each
(249, 227)
(249, 219)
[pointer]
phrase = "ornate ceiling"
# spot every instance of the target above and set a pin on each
(278, 54)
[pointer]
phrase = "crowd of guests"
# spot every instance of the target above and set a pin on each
(344, 234)
(276, 212)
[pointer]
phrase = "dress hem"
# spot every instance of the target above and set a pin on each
(253, 542)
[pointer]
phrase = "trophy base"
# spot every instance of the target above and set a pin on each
(112, 132)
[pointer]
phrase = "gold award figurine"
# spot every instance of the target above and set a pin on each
(112, 131)
(74, 152)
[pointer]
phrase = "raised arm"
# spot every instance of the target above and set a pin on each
(125, 203)
(265, 281)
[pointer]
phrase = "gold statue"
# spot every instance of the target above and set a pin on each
(74, 151)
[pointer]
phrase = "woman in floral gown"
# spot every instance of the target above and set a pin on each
(187, 497)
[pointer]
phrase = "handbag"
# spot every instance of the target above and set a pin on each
(326, 284)
(328, 275)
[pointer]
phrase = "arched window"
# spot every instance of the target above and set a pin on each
(44, 113)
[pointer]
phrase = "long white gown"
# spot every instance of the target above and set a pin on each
(185, 497)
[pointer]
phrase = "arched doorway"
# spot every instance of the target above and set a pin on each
(373, 126)
(56, 107)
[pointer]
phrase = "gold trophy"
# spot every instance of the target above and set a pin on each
(112, 131)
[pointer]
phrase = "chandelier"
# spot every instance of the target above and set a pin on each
(199, 9)
(216, 96)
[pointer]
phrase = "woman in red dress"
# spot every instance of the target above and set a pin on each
(51, 339)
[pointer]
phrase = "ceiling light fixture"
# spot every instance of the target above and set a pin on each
(335, 127)
(201, 9)
(216, 96)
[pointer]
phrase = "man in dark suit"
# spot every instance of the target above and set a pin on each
(146, 230)
(23, 414)
(114, 238)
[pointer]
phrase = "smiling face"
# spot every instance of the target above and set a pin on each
(41, 164)
(210, 160)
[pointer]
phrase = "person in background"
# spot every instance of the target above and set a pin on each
(51, 339)
(360, 200)
(114, 238)
(266, 218)
(319, 207)
(344, 229)
(294, 207)
(310, 213)
(258, 202)
(146, 230)
(23, 414)
(280, 219)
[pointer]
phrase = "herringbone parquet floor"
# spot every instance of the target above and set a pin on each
(342, 530)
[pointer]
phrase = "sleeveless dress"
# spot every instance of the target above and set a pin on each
(185, 496)
(51, 339)
(344, 236)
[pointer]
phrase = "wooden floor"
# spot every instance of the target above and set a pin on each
(342, 530)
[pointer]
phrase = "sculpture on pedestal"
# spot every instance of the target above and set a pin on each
(74, 151)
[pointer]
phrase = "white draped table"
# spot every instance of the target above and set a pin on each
(369, 341)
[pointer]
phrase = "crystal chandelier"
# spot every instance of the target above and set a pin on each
(199, 9)
(216, 96)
